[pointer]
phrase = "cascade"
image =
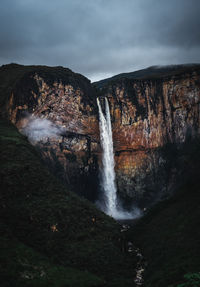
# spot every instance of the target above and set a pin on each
(110, 204)
(108, 172)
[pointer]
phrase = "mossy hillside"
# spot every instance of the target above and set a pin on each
(21, 266)
(40, 213)
(169, 235)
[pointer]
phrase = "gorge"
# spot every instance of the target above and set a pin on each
(153, 114)
(140, 131)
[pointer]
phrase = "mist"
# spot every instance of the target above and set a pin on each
(38, 129)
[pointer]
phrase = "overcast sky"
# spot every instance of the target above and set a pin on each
(100, 38)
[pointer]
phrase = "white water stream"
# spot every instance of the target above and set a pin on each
(110, 204)
(107, 172)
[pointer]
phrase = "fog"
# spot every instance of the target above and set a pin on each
(37, 129)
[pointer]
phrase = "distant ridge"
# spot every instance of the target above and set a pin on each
(151, 72)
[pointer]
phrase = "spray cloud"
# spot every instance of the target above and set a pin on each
(37, 129)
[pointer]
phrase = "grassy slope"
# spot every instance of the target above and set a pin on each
(40, 217)
(169, 237)
(21, 266)
(150, 73)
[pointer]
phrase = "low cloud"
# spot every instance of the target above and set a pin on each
(38, 129)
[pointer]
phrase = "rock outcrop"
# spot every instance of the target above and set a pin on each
(68, 101)
(153, 117)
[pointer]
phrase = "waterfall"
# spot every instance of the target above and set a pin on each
(110, 204)
(108, 172)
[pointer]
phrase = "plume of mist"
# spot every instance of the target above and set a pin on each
(37, 129)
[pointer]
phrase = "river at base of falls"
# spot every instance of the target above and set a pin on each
(130, 248)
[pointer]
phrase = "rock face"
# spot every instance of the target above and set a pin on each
(67, 101)
(152, 120)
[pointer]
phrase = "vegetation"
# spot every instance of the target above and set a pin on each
(51, 237)
(191, 280)
(43, 222)
(153, 72)
(168, 234)
(22, 266)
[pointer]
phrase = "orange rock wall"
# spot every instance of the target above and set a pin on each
(72, 155)
(146, 116)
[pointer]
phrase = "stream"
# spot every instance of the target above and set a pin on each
(141, 262)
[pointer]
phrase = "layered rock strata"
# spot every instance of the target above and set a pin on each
(153, 118)
(67, 101)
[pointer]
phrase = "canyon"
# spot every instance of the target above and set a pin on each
(51, 236)
(154, 113)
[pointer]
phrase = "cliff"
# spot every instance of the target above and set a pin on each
(152, 118)
(154, 113)
(169, 235)
(67, 102)
(49, 236)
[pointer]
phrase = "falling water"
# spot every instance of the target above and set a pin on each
(110, 206)
(108, 172)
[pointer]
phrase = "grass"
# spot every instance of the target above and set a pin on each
(65, 237)
(169, 236)
(21, 266)
(43, 216)
(51, 237)
(150, 73)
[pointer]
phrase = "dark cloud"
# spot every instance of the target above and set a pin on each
(100, 37)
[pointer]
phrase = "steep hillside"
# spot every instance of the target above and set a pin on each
(49, 236)
(169, 235)
(153, 72)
